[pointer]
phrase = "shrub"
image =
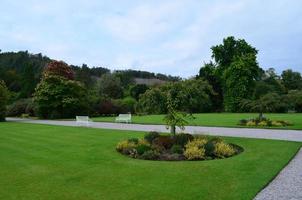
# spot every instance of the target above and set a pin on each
(209, 148)
(242, 122)
(151, 136)
(133, 140)
(197, 142)
(3, 100)
(251, 123)
(150, 155)
(163, 141)
(144, 142)
(142, 148)
(276, 123)
(19, 107)
(263, 123)
(125, 146)
(223, 150)
(194, 153)
(182, 139)
(195, 149)
(176, 149)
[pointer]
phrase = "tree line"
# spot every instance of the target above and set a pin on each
(232, 81)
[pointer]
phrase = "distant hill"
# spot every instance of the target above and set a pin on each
(22, 71)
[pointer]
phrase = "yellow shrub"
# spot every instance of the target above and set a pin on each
(223, 150)
(195, 149)
(125, 145)
(251, 123)
(194, 153)
(263, 123)
(275, 123)
(143, 142)
(198, 142)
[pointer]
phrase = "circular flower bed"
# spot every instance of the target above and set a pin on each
(180, 147)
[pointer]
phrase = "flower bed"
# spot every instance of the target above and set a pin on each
(264, 122)
(180, 147)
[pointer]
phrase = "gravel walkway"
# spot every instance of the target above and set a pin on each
(289, 135)
(287, 185)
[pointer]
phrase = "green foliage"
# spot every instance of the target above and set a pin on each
(239, 81)
(270, 102)
(295, 100)
(151, 136)
(58, 97)
(165, 142)
(182, 139)
(137, 90)
(150, 155)
(3, 100)
(142, 148)
(291, 80)
(21, 106)
(110, 86)
(177, 149)
(153, 101)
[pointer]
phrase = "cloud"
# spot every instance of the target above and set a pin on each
(171, 36)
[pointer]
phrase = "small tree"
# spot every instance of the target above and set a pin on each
(174, 118)
(3, 100)
(270, 102)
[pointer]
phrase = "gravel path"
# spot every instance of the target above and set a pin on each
(289, 135)
(287, 185)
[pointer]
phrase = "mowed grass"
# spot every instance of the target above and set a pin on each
(56, 162)
(216, 119)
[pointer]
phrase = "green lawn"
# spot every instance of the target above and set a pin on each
(56, 162)
(216, 119)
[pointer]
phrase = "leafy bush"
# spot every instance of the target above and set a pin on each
(176, 149)
(133, 140)
(194, 153)
(209, 148)
(150, 155)
(163, 141)
(125, 146)
(223, 150)
(142, 148)
(151, 136)
(22, 106)
(182, 139)
(3, 100)
(195, 149)
(251, 123)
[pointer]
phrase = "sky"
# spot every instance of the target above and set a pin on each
(164, 36)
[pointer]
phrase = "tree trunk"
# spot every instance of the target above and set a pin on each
(261, 116)
(173, 128)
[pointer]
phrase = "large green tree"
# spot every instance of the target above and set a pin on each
(58, 95)
(3, 100)
(291, 80)
(239, 81)
(110, 86)
(236, 70)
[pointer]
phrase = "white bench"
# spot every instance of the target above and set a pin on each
(82, 120)
(123, 118)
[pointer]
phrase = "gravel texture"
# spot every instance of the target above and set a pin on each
(287, 185)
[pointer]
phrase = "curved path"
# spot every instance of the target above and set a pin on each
(289, 135)
(286, 186)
